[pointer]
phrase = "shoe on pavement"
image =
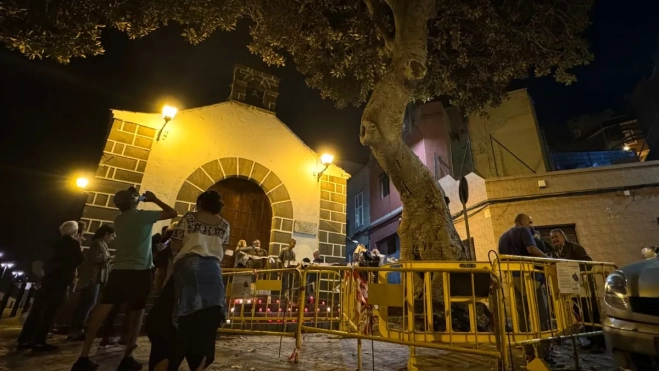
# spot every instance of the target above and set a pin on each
(78, 337)
(44, 347)
(84, 364)
(23, 346)
(129, 364)
(108, 341)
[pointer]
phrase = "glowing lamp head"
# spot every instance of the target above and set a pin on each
(7, 265)
(17, 273)
(326, 159)
(82, 182)
(625, 148)
(168, 112)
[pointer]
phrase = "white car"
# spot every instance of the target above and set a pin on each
(631, 323)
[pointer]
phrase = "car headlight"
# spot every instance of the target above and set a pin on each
(615, 291)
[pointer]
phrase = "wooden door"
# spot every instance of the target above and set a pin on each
(248, 211)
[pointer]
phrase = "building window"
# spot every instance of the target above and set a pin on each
(389, 246)
(359, 210)
(384, 185)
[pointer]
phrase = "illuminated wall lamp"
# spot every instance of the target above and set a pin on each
(326, 159)
(168, 113)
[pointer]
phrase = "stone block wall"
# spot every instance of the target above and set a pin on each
(332, 224)
(122, 165)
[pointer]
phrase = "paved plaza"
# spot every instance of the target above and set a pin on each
(261, 353)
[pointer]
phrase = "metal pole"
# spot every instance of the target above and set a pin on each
(27, 304)
(464, 212)
(17, 303)
(5, 298)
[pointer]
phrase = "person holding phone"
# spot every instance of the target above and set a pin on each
(131, 278)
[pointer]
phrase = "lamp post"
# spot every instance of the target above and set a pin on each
(5, 266)
(168, 113)
(326, 159)
(81, 184)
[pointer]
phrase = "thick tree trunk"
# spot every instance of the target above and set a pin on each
(426, 231)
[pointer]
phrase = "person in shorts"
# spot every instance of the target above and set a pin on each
(131, 277)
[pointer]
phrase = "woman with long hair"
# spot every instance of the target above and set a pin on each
(93, 274)
(184, 321)
(239, 256)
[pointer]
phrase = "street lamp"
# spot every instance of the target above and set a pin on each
(5, 266)
(325, 159)
(82, 182)
(168, 113)
(17, 273)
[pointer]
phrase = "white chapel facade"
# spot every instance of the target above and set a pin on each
(267, 176)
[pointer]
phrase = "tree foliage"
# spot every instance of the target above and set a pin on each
(343, 47)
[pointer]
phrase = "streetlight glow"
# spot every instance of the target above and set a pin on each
(82, 182)
(326, 159)
(625, 148)
(7, 265)
(168, 112)
(17, 273)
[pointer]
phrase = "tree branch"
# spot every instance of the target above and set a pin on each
(378, 20)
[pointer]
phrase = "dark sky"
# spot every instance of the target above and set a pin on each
(55, 117)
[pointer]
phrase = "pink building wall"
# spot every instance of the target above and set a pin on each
(428, 137)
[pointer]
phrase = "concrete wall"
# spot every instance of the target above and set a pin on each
(480, 223)
(609, 224)
(515, 126)
(204, 145)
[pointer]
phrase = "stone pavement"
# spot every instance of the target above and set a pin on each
(261, 353)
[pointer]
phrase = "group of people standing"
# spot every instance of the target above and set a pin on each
(524, 240)
(189, 308)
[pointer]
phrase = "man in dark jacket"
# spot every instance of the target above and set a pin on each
(564, 249)
(59, 273)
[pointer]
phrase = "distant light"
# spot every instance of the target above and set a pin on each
(17, 273)
(7, 265)
(82, 182)
(326, 159)
(168, 112)
(1, 254)
(625, 148)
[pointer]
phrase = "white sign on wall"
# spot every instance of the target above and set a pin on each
(305, 227)
(569, 277)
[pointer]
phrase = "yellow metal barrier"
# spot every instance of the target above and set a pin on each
(411, 310)
(550, 299)
(477, 308)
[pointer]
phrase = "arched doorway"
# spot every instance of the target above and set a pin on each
(246, 177)
(248, 211)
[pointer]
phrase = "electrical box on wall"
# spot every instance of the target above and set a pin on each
(542, 184)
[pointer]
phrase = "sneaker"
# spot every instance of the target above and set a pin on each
(23, 346)
(44, 348)
(587, 346)
(84, 364)
(78, 337)
(129, 364)
(108, 341)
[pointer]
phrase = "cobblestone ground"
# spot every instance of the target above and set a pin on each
(261, 353)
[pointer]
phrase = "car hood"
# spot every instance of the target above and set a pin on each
(643, 278)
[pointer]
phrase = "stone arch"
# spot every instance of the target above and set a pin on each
(235, 167)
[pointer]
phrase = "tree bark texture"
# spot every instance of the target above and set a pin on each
(426, 231)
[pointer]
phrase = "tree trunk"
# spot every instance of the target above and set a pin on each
(426, 230)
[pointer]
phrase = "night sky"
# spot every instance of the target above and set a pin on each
(55, 117)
